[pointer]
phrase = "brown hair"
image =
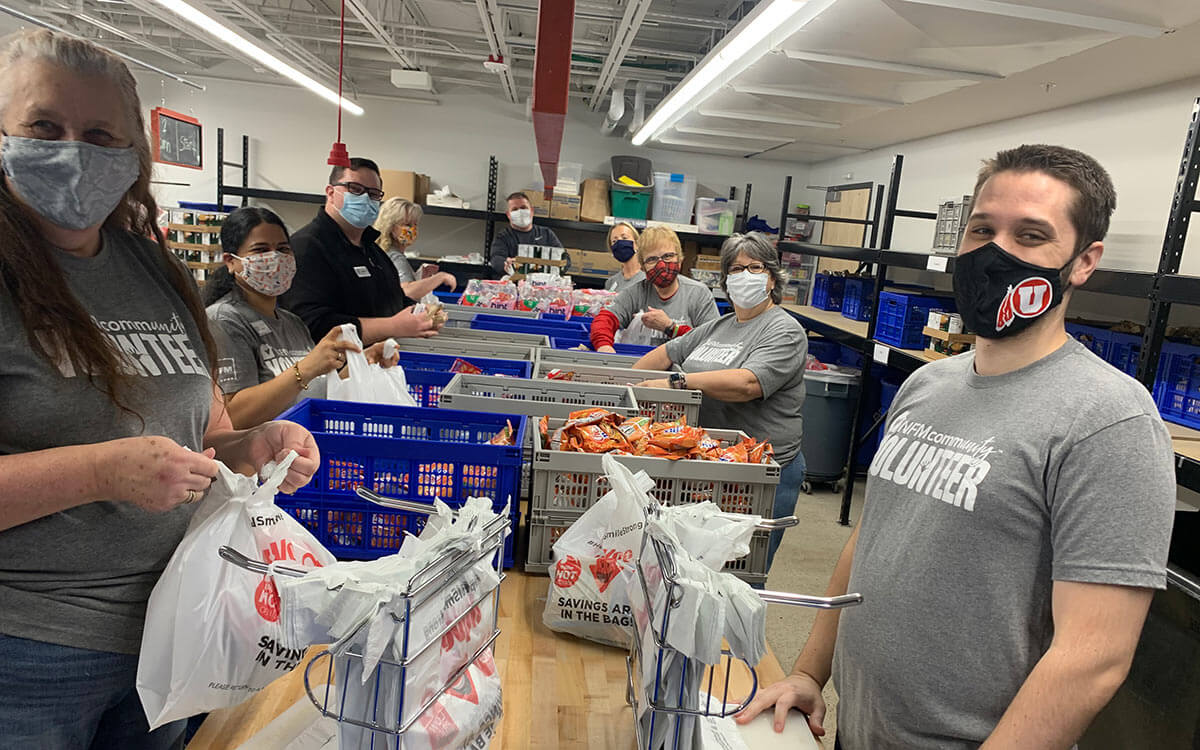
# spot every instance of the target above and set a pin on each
(516, 195)
(1095, 196)
(655, 236)
(58, 327)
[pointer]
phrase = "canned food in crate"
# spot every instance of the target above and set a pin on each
(954, 323)
(934, 320)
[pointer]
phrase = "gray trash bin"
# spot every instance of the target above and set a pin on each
(828, 409)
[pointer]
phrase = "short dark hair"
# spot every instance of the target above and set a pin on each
(356, 163)
(516, 195)
(1095, 196)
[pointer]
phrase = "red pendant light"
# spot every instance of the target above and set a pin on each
(338, 155)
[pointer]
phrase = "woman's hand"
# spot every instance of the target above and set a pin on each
(375, 356)
(659, 383)
(606, 350)
(656, 319)
(327, 356)
(794, 691)
(409, 325)
(272, 441)
(447, 280)
(153, 473)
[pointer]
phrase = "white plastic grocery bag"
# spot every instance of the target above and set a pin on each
(593, 562)
(213, 637)
(372, 384)
(636, 333)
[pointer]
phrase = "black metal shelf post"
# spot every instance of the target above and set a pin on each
(489, 226)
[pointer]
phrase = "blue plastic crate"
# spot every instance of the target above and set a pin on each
(827, 291)
(723, 307)
(1124, 350)
(407, 453)
(448, 298)
(825, 350)
(1177, 384)
(570, 342)
(856, 298)
(902, 317)
(1095, 339)
(635, 350)
(505, 324)
(443, 362)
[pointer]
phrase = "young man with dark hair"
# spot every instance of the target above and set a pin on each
(520, 231)
(342, 276)
(1018, 513)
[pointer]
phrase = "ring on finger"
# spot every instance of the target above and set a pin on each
(192, 497)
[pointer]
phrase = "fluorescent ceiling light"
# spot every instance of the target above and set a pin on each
(862, 62)
(767, 26)
(1050, 15)
(763, 117)
(816, 96)
(230, 37)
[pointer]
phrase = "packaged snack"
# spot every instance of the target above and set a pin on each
(465, 367)
(505, 436)
(635, 429)
(557, 374)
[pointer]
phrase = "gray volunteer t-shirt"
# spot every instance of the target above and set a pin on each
(618, 283)
(773, 346)
(984, 492)
(81, 577)
(255, 348)
(692, 305)
(403, 267)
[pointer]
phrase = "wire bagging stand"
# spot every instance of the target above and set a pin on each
(377, 712)
(674, 710)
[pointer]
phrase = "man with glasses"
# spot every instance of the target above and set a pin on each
(670, 304)
(342, 276)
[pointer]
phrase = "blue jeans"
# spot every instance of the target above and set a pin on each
(68, 698)
(785, 500)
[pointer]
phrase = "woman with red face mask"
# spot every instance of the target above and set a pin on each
(670, 304)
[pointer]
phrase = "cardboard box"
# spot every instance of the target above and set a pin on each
(595, 206)
(411, 185)
(565, 207)
(590, 261)
(541, 206)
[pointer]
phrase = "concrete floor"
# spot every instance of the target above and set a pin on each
(803, 565)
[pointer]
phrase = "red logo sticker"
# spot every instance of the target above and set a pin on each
(1029, 299)
(567, 572)
(266, 600)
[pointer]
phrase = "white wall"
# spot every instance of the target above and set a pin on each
(291, 131)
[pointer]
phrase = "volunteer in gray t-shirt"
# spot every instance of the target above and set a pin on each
(110, 421)
(670, 304)
(397, 225)
(267, 360)
(749, 364)
(1018, 512)
(622, 243)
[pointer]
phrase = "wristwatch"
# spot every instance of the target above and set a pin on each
(678, 381)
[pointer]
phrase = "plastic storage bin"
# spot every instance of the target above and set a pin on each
(535, 398)
(856, 298)
(428, 374)
(629, 201)
(570, 178)
(637, 168)
(828, 413)
(1177, 385)
(1124, 350)
(660, 404)
(826, 351)
(564, 358)
(827, 291)
(902, 317)
(549, 328)
(442, 344)
(715, 215)
(401, 452)
(674, 197)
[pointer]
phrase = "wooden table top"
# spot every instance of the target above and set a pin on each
(560, 692)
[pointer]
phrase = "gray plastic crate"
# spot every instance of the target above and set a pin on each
(554, 398)
(502, 337)
(569, 481)
(463, 347)
(460, 316)
(660, 404)
(546, 528)
(569, 357)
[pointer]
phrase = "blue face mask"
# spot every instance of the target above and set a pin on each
(622, 250)
(359, 210)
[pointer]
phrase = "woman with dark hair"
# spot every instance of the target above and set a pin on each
(267, 359)
(111, 422)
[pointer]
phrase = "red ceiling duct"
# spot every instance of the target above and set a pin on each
(551, 79)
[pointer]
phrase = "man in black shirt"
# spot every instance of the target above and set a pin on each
(341, 274)
(521, 231)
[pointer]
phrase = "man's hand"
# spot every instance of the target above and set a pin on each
(794, 691)
(659, 383)
(656, 319)
(409, 325)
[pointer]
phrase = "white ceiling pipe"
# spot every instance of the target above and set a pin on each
(616, 109)
(489, 14)
(639, 106)
(627, 30)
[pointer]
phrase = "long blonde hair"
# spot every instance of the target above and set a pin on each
(628, 226)
(395, 211)
(56, 324)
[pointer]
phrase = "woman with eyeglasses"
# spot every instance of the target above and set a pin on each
(267, 360)
(671, 305)
(749, 364)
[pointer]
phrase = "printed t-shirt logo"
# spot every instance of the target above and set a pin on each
(1028, 299)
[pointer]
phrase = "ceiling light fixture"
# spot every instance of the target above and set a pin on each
(220, 31)
(816, 96)
(767, 26)
(763, 117)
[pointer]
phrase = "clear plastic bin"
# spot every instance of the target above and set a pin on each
(570, 178)
(714, 215)
(674, 196)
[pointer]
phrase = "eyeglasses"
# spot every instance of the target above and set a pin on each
(355, 188)
(654, 260)
(751, 267)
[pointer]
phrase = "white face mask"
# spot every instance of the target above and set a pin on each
(747, 290)
(522, 217)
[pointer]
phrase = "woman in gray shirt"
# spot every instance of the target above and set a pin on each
(110, 419)
(397, 224)
(749, 363)
(622, 243)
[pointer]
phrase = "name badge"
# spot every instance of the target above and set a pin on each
(261, 327)
(362, 272)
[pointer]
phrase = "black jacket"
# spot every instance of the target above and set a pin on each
(338, 282)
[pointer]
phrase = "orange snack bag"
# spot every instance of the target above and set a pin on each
(465, 367)
(505, 436)
(635, 429)
(560, 375)
(733, 454)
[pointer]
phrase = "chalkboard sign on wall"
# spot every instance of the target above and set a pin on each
(176, 139)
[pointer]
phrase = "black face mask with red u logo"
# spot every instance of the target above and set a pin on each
(1000, 295)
